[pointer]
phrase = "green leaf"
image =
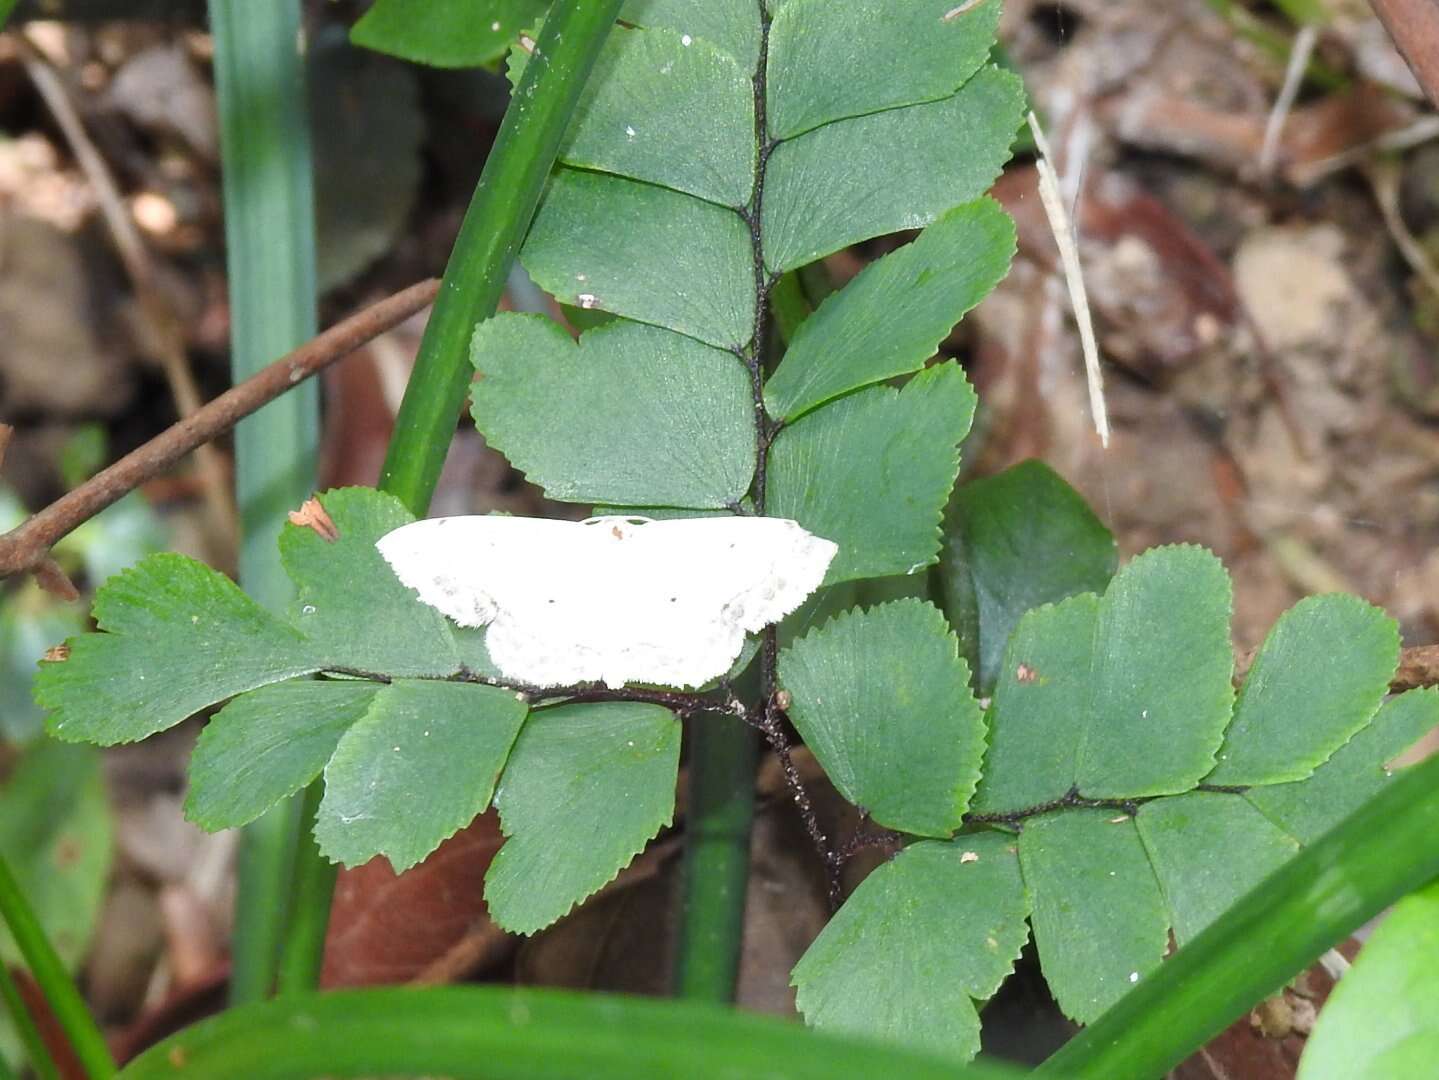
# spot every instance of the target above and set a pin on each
(266, 745)
(585, 789)
(644, 252)
(1121, 699)
(891, 318)
(1208, 849)
(1037, 721)
(730, 25)
(523, 1033)
(1356, 773)
(873, 471)
(350, 604)
(1319, 677)
(1017, 540)
(421, 765)
(828, 62)
(1099, 917)
(31, 621)
(630, 415)
(55, 834)
(840, 184)
(179, 637)
(882, 698)
(445, 33)
(1381, 853)
(637, 116)
(1382, 1020)
(924, 936)
(1163, 663)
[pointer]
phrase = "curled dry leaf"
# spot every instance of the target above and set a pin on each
(428, 923)
(56, 654)
(312, 515)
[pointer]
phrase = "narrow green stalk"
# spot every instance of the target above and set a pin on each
(496, 222)
(493, 1033)
(264, 869)
(1381, 852)
(303, 952)
(723, 753)
(66, 1004)
(7, 7)
(270, 247)
(39, 1054)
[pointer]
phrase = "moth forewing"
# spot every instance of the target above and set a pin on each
(612, 599)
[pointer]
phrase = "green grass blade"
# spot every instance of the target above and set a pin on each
(503, 1034)
(1379, 853)
(270, 255)
(270, 244)
(496, 222)
(65, 1002)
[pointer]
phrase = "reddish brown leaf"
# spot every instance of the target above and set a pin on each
(428, 922)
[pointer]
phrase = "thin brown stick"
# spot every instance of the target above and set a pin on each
(155, 306)
(1414, 26)
(26, 547)
(1418, 667)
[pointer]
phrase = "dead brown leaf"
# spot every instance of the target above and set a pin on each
(312, 515)
(388, 928)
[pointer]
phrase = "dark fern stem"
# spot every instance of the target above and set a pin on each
(769, 718)
(684, 705)
(1073, 800)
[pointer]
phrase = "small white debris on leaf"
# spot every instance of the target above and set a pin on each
(954, 13)
(969, 856)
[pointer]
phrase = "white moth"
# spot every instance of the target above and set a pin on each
(612, 599)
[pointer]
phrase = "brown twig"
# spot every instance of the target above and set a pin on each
(26, 547)
(163, 323)
(1414, 26)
